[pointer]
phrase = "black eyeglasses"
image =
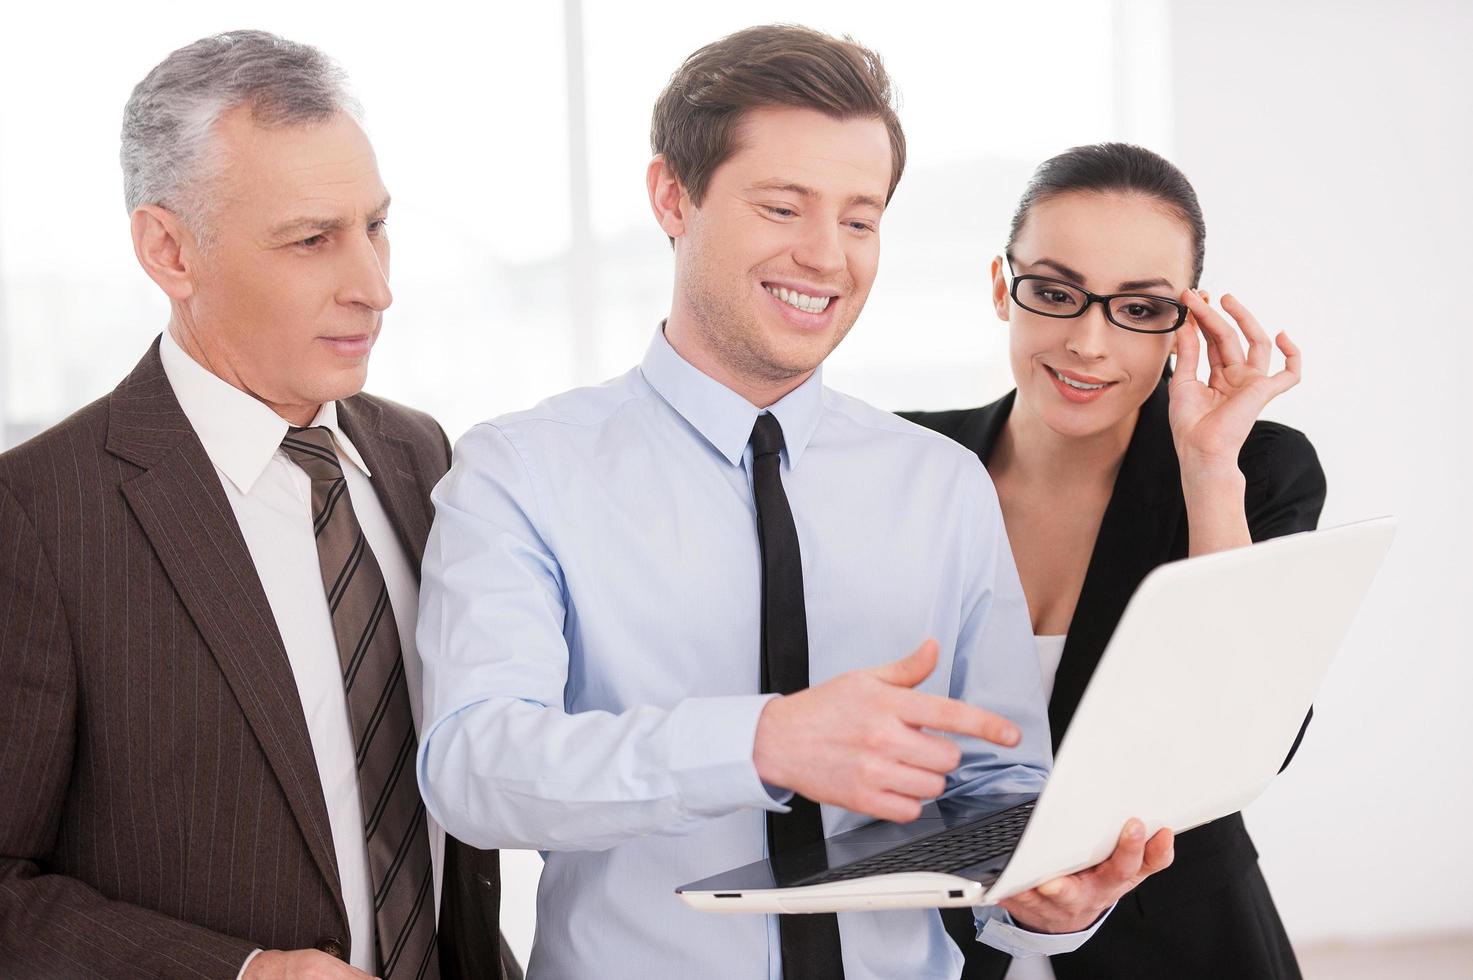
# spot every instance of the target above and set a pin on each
(1136, 312)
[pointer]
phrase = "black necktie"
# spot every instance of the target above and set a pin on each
(810, 942)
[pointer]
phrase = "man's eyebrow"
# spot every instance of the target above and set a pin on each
(785, 186)
(1123, 287)
(315, 225)
(319, 225)
(788, 187)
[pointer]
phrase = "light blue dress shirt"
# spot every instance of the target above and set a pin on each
(589, 624)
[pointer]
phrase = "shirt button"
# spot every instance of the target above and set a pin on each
(334, 948)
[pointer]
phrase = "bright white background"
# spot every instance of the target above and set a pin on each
(1329, 141)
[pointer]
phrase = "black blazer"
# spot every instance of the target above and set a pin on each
(1210, 914)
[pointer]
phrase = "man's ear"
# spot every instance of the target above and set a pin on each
(165, 249)
(668, 199)
(999, 290)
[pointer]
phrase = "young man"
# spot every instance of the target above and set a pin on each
(207, 658)
(680, 596)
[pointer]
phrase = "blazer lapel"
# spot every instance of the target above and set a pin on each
(390, 458)
(182, 508)
(1141, 524)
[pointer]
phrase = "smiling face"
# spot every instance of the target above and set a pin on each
(287, 301)
(1085, 376)
(775, 264)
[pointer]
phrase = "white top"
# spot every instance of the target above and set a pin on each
(1030, 968)
(1050, 652)
(272, 500)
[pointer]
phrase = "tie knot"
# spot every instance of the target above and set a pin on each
(313, 451)
(767, 436)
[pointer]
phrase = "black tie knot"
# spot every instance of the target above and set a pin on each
(767, 436)
(313, 451)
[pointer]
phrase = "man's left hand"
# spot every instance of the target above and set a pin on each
(1073, 903)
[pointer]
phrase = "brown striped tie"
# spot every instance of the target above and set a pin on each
(378, 709)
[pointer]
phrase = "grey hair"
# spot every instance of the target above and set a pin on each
(169, 153)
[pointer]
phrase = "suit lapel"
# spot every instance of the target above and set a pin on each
(396, 475)
(1141, 523)
(183, 510)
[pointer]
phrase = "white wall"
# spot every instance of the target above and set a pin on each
(1331, 145)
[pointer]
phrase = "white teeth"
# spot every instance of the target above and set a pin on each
(1077, 384)
(804, 302)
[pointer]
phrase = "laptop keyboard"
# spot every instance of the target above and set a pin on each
(944, 851)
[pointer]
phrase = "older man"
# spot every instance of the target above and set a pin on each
(208, 581)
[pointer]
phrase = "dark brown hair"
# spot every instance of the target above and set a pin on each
(1122, 167)
(698, 114)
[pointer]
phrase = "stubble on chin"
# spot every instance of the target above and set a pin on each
(731, 332)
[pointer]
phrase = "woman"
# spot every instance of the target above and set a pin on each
(1106, 465)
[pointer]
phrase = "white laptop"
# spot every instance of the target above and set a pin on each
(1188, 717)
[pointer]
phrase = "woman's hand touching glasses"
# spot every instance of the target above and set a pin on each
(1211, 420)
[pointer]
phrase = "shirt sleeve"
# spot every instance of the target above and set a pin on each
(995, 665)
(502, 763)
(997, 929)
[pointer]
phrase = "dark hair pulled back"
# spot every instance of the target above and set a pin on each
(1121, 167)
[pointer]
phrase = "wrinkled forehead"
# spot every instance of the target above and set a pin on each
(270, 169)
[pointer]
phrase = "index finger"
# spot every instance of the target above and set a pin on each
(1217, 331)
(951, 715)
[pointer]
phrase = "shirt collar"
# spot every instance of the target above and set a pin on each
(239, 433)
(722, 416)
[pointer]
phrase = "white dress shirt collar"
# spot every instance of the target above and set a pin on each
(240, 434)
(721, 415)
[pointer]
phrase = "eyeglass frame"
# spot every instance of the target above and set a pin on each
(1090, 299)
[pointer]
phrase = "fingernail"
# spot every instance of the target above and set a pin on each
(1013, 736)
(1049, 889)
(1135, 830)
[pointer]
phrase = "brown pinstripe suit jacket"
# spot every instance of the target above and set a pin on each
(160, 808)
